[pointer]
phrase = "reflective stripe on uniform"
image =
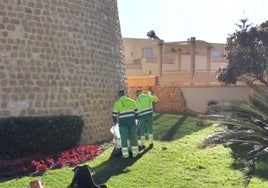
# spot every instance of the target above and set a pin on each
(126, 115)
(146, 111)
(135, 151)
(125, 153)
(115, 114)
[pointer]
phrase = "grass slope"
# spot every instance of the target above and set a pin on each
(174, 162)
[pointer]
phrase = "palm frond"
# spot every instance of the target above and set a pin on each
(244, 123)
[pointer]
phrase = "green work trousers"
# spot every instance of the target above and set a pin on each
(128, 131)
(146, 124)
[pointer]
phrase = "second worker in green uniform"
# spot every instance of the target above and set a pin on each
(145, 111)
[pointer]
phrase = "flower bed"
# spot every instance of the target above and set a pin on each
(40, 163)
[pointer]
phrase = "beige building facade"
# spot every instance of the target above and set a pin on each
(186, 62)
(183, 74)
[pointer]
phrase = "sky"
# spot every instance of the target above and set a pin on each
(179, 20)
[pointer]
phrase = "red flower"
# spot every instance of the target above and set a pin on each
(39, 162)
(49, 162)
(61, 162)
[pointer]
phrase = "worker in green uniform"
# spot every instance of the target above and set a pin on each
(125, 112)
(145, 110)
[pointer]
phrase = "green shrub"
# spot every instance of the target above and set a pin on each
(22, 136)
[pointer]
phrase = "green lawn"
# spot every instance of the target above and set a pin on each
(175, 162)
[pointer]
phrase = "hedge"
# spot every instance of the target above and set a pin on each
(22, 136)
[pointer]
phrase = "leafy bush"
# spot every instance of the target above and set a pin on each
(212, 102)
(21, 136)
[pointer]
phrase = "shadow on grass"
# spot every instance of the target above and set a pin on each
(157, 116)
(239, 153)
(173, 130)
(115, 165)
(167, 130)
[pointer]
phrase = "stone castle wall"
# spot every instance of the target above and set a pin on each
(60, 57)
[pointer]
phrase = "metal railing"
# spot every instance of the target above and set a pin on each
(201, 76)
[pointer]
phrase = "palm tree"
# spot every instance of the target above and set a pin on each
(244, 123)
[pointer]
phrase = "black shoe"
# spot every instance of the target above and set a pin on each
(151, 145)
(141, 147)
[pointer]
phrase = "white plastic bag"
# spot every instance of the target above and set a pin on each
(115, 131)
(116, 139)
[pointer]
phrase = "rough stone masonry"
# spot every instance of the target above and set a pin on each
(60, 57)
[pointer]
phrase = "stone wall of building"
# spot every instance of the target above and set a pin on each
(60, 57)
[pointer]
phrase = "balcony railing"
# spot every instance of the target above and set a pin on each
(185, 77)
